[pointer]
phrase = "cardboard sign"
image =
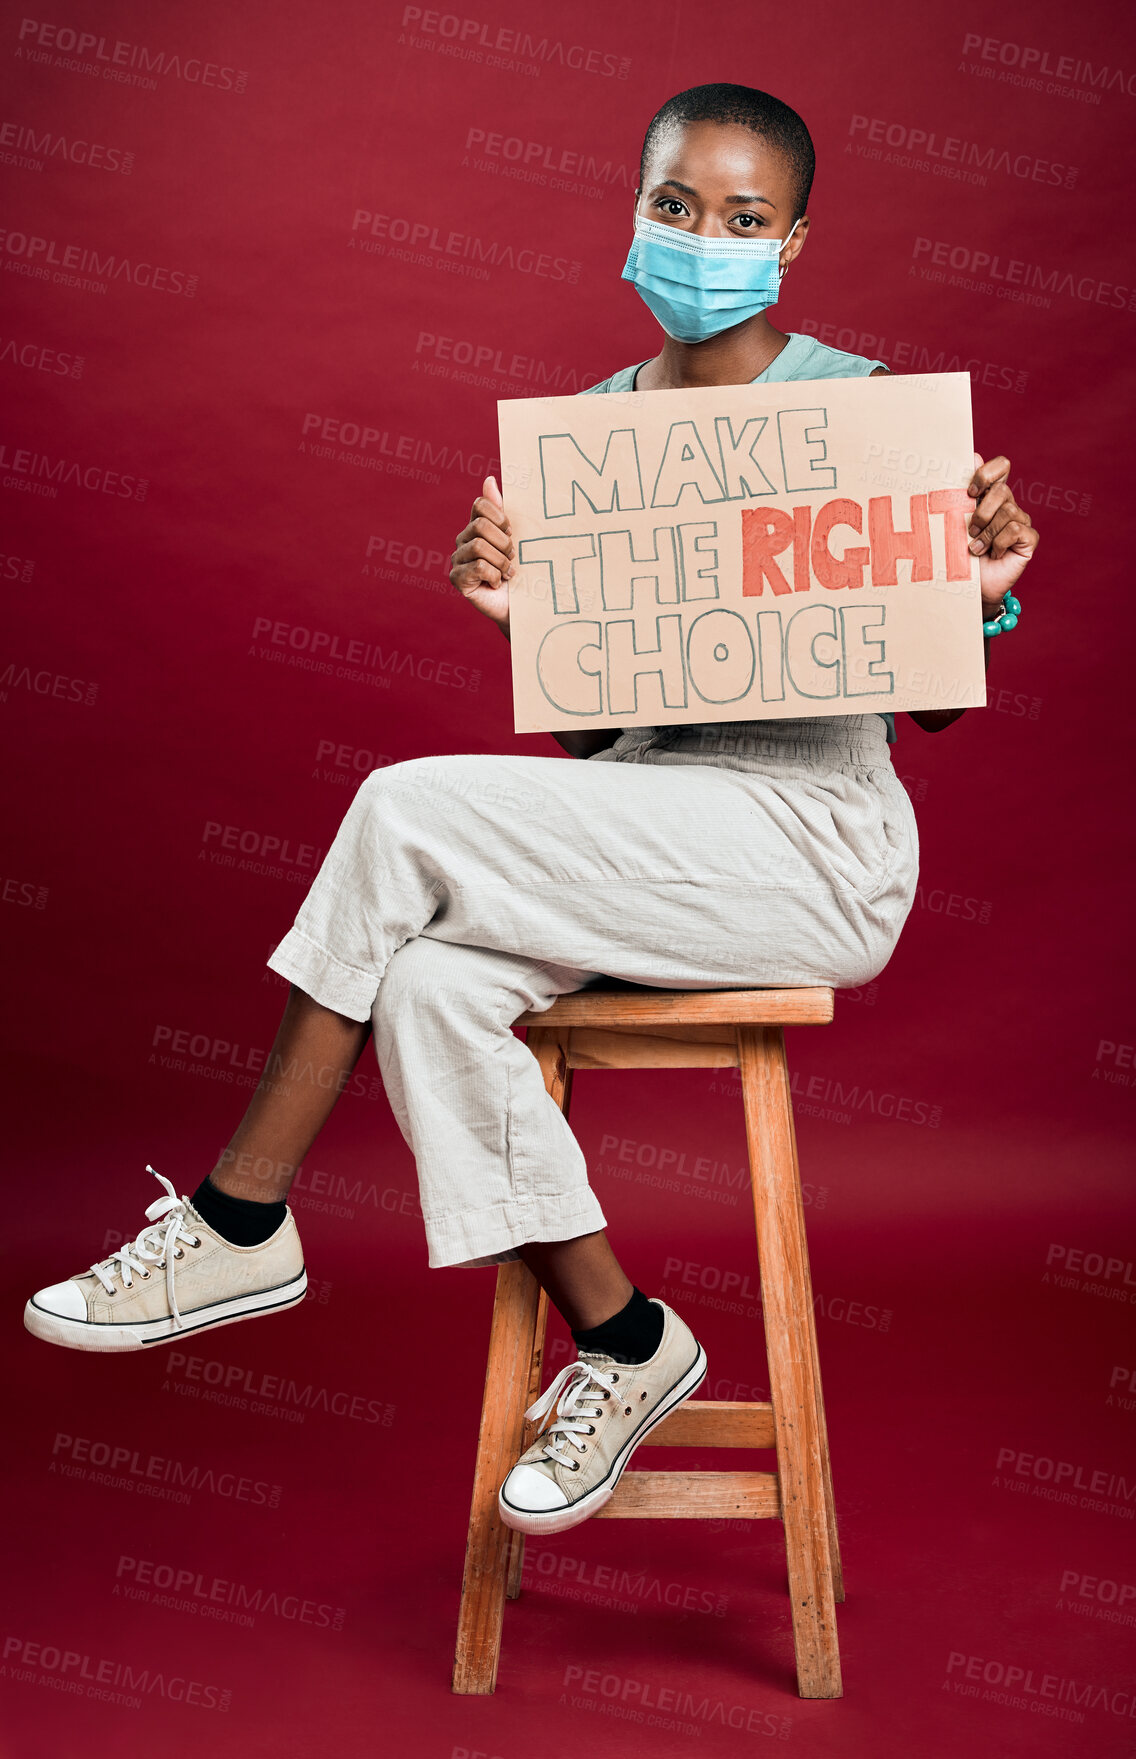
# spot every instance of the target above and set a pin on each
(742, 552)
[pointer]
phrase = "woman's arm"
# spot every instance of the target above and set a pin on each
(587, 744)
(1003, 538)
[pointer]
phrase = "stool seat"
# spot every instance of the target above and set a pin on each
(612, 1024)
(612, 1003)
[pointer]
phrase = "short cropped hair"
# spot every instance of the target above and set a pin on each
(763, 115)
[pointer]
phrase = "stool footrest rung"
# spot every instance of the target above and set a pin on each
(651, 1047)
(715, 1423)
(694, 1496)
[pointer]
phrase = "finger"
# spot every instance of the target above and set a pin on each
(487, 527)
(493, 534)
(468, 576)
(492, 493)
(982, 545)
(478, 550)
(987, 473)
(484, 527)
(991, 502)
(1014, 535)
(1007, 513)
(491, 510)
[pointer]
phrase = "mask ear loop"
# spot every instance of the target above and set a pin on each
(782, 272)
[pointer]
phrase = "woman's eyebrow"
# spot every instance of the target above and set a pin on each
(673, 183)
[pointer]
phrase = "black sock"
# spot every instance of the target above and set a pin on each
(239, 1220)
(631, 1335)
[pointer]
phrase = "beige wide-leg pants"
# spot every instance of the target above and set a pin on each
(461, 891)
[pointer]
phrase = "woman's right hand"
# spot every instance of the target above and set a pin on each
(484, 558)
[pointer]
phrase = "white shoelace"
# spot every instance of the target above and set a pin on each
(575, 1386)
(156, 1244)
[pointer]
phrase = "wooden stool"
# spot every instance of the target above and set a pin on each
(620, 1026)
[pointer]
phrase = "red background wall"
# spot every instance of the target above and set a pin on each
(973, 1247)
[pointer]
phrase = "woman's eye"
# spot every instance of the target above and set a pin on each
(672, 206)
(747, 222)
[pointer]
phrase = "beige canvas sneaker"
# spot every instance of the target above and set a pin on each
(176, 1278)
(604, 1409)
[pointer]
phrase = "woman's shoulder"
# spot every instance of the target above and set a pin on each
(623, 380)
(805, 358)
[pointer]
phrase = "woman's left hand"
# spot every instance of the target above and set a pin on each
(1001, 533)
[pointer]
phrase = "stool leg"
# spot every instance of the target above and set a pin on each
(786, 1293)
(512, 1342)
(517, 1545)
(551, 1051)
(829, 1500)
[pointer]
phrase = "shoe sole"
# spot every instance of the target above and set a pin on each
(82, 1334)
(559, 1520)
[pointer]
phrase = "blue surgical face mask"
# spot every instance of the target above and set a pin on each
(697, 287)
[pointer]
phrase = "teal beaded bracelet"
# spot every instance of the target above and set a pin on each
(1011, 611)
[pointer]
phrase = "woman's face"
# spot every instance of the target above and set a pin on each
(720, 181)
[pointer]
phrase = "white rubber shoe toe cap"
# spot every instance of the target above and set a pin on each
(533, 1491)
(65, 1300)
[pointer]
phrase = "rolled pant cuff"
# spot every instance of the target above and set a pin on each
(480, 1237)
(345, 989)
